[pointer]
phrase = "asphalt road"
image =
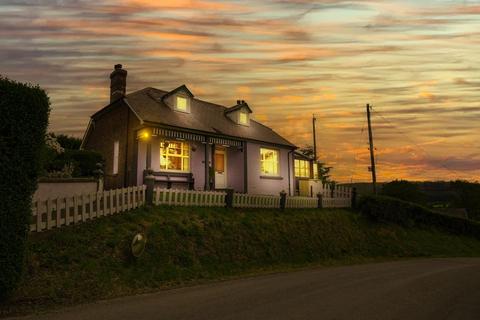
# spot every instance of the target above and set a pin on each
(415, 289)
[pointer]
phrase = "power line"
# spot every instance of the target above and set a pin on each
(414, 143)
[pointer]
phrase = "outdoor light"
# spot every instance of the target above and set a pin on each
(145, 135)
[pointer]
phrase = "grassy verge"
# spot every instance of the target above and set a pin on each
(91, 261)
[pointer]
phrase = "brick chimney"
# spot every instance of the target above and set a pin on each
(118, 83)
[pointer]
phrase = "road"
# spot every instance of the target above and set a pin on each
(413, 289)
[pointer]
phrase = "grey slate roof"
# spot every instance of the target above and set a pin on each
(204, 116)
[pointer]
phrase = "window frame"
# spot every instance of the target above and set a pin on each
(181, 156)
(247, 120)
(187, 103)
(263, 174)
(303, 171)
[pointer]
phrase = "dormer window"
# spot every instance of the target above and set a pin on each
(243, 118)
(181, 104)
(239, 113)
(179, 99)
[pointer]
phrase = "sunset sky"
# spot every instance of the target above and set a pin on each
(417, 63)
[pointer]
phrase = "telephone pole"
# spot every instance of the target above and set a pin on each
(314, 139)
(372, 156)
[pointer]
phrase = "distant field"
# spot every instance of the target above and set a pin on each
(91, 261)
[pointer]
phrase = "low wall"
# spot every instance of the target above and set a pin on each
(55, 188)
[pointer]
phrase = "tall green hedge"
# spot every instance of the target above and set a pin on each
(408, 214)
(24, 111)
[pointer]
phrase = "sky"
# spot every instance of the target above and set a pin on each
(415, 62)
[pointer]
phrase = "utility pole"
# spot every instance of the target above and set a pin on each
(314, 139)
(372, 157)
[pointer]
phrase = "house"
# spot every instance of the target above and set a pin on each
(187, 142)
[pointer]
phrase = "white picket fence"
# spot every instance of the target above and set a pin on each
(54, 213)
(301, 202)
(241, 200)
(180, 197)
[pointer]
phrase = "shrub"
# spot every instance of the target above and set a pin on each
(83, 163)
(386, 209)
(24, 118)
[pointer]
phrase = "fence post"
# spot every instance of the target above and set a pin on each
(229, 198)
(283, 200)
(150, 182)
(354, 197)
(319, 200)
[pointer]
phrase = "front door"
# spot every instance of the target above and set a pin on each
(220, 169)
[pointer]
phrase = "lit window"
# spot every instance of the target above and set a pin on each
(174, 156)
(116, 149)
(302, 168)
(269, 162)
(181, 104)
(315, 171)
(243, 118)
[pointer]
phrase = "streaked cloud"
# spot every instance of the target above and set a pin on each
(415, 61)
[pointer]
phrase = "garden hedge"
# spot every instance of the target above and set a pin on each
(24, 113)
(387, 209)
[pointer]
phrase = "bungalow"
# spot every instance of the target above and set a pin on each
(187, 142)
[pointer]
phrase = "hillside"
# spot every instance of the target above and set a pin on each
(91, 261)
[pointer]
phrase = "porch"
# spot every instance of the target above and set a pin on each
(186, 160)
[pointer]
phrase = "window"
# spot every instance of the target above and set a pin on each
(116, 149)
(302, 168)
(269, 162)
(175, 156)
(181, 104)
(243, 118)
(315, 170)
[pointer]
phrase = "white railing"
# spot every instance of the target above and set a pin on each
(180, 197)
(241, 200)
(63, 211)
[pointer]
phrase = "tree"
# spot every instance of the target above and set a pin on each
(68, 142)
(323, 170)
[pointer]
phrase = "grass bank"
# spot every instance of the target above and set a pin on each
(91, 261)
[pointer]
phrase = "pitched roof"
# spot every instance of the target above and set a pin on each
(204, 116)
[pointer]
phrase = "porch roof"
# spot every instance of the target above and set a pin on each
(204, 116)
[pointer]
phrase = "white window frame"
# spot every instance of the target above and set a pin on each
(300, 169)
(277, 151)
(247, 120)
(182, 156)
(116, 154)
(187, 103)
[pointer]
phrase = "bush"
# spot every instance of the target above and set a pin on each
(24, 109)
(386, 209)
(84, 162)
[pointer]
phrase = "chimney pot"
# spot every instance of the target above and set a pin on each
(118, 83)
(238, 101)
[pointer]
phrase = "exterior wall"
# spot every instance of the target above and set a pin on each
(235, 168)
(117, 123)
(269, 185)
(55, 188)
